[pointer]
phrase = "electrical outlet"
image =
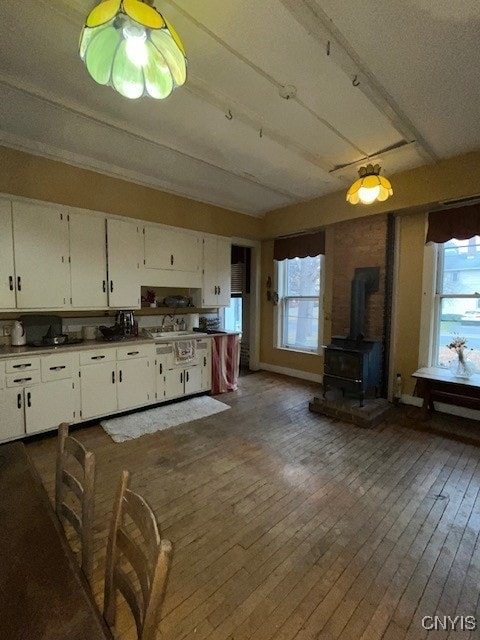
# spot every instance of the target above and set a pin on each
(7, 329)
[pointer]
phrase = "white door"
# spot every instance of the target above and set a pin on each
(88, 261)
(123, 264)
(210, 280)
(48, 404)
(98, 389)
(206, 365)
(224, 272)
(134, 383)
(7, 270)
(193, 379)
(40, 235)
(173, 383)
(12, 424)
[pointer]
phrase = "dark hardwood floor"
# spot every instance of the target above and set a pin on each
(288, 525)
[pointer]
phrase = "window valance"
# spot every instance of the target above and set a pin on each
(460, 223)
(307, 244)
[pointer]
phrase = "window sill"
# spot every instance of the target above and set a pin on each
(307, 353)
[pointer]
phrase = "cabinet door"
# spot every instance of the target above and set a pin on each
(186, 252)
(12, 424)
(206, 365)
(161, 372)
(134, 383)
(173, 383)
(210, 280)
(224, 272)
(159, 244)
(48, 404)
(123, 264)
(40, 236)
(193, 379)
(98, 389)
(7, 270)
(88, 261)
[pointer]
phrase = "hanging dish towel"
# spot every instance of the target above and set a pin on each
(184, 351)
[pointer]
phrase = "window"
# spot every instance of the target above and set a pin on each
(457, 298)
(299, 288)
(233, 315)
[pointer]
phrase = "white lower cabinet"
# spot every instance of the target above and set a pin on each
(28, 406)
(98, 389)
(48, 404)
(192, 379)
(182, 381)
(134, 383)
(107, 387)
(12, 424)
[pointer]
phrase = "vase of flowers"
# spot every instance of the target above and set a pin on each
(461, 367)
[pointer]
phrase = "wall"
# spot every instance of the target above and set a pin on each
(30, 176)
(413, 189)
(358, 243)
(408, 296)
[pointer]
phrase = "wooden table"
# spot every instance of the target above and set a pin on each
(436, 383)
(43, 594)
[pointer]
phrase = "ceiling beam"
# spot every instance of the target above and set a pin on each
(320, 27)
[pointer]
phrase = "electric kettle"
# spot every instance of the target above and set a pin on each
(19, 339)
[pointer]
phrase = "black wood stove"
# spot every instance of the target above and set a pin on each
(353, 363)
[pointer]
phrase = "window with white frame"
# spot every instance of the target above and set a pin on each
(457, 299)
(299, 282)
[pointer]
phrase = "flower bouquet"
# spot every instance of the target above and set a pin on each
(462, 367)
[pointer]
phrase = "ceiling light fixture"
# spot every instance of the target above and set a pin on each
(370, 186)
(129, 46)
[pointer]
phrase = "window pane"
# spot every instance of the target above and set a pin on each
(301, 323)
(302, 277)
(233, 315)
(459, 316)
(461, 267)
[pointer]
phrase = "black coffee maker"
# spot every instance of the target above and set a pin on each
(126, 320)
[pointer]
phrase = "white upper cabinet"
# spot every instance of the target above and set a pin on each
(123, 264)
(88, 261)
(171, 250)
(216, 272)
(7, 267)
(40, 236)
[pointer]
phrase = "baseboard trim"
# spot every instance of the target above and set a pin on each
(451, 409)
(294, 373)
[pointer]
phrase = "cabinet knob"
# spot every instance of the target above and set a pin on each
(171, 259)
(104, 286)
(181, 377)
(29, 399)
(120, 376)
(161, 369)
(113, 377)
(219, 289)
(10, 283)
(111, 286)
(19, 400)
(19, 283)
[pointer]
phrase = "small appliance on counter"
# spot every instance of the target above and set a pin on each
(112, 334)
(19, 337)
(125, 320)
(45, 331)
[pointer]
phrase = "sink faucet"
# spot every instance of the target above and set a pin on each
(172, 318)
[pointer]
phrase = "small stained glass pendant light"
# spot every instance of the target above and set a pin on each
(370, 186)
(128, 45)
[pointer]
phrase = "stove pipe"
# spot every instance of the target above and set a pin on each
(365, 282)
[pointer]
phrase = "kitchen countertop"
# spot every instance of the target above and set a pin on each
(12, 352)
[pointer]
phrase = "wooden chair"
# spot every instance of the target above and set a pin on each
(83, 490)
(148, 555)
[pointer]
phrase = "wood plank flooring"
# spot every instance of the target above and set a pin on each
(289, 525)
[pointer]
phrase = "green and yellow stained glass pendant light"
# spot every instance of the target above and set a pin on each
(370, 186)
(129, 46)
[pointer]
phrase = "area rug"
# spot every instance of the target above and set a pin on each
(139, 424)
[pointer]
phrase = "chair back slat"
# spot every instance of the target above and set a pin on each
(83, 490)
(69, 514)
(75, 449)
(138, 561)
(148, 555)
(73, 484)
(128, 592)
(143, 517)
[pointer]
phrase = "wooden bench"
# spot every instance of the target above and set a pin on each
(438, 384)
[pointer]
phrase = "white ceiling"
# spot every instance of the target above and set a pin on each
(414, 65)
